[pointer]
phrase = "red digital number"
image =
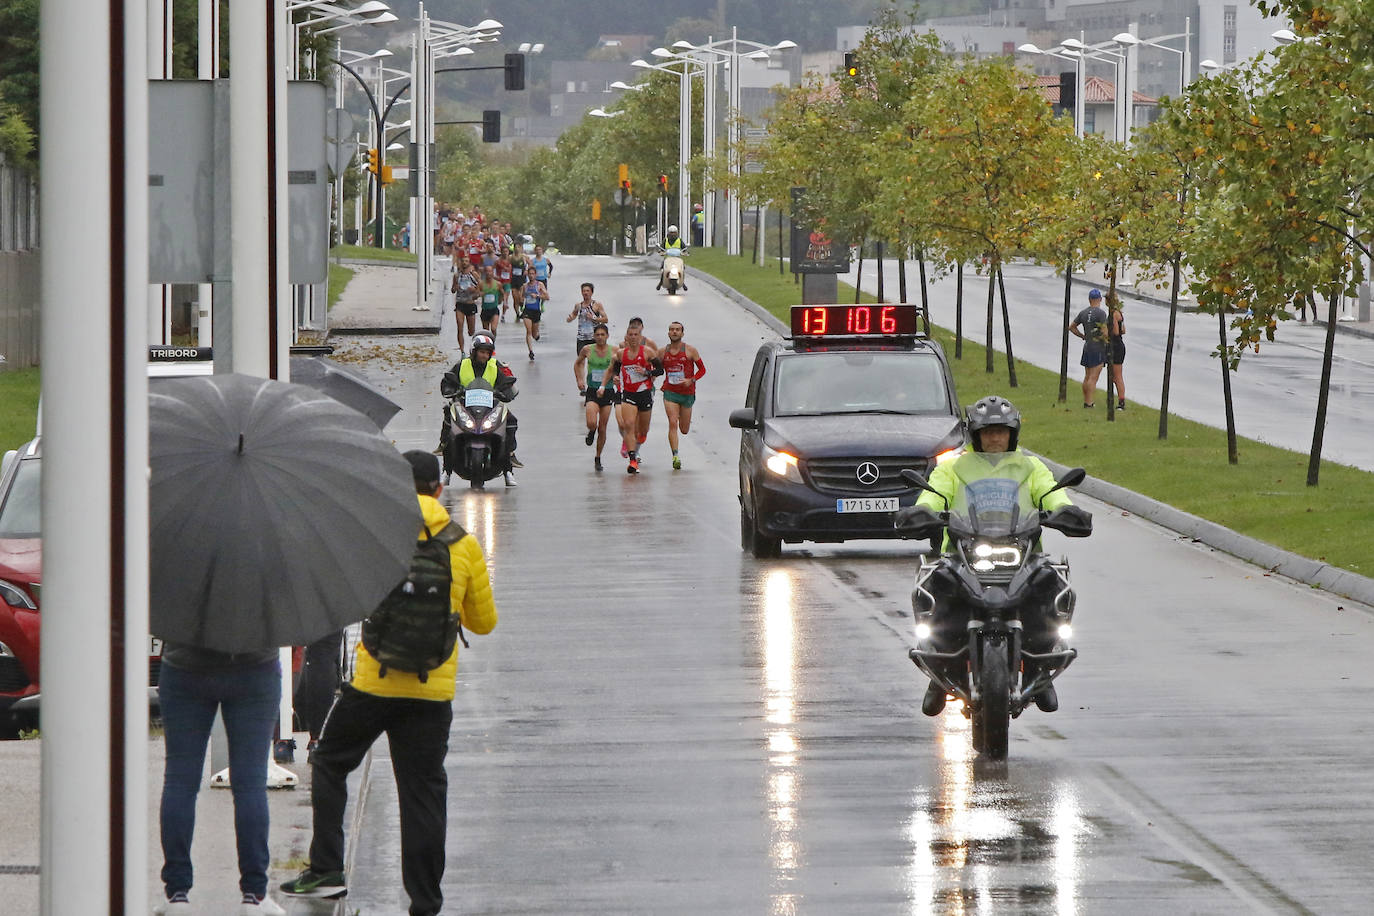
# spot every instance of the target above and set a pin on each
(860, 320)
(886, 322)
(814, 320)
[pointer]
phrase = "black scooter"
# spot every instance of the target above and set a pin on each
(476, 449)
(994, 581)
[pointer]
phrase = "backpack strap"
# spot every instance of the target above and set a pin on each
(451, 534)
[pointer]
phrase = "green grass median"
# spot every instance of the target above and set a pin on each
(367, 253)
(18, 407)
(1264, 496)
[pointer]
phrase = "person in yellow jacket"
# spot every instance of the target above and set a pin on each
(1006, 477)
(415, 715)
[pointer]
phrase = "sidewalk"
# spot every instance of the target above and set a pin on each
(1095, 275)
(381, 300)
(216, 870)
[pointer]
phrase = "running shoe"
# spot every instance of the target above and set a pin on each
(677, 463)
(624, 452)
(253, 905)
(516, 462)
(176, 905)
(596, 462)
(591, 436)
(531, 356)
(327, 885)
(633, 467)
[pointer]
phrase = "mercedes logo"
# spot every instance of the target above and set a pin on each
(867, 473)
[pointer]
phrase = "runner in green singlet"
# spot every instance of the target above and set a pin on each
(592, 367)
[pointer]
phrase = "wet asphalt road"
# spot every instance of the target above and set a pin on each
(661, 724)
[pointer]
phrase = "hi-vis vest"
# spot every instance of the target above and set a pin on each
(674, 244)
(466, 375)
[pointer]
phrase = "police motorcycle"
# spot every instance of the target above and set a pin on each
(672, 274)
(997, 586)
(476, 448)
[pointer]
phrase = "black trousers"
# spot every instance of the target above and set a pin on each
(319, 681)
(417, 731)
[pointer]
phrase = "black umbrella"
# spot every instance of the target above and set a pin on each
(344, 385)
(277, 514)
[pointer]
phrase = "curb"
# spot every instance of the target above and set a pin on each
(381, 331)
(1315, 573)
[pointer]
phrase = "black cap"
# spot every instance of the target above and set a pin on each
(424, 467)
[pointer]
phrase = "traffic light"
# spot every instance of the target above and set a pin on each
(625, 183)
(663, 183)
(372, 161)
(1068, 92)
(491, 126)
(851, 64)
(386, 175)
(515, 71)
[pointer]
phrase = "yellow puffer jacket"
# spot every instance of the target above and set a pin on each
(470, 594)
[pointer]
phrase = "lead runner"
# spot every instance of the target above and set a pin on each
(682, 366)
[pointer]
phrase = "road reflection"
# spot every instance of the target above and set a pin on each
(779, 670)
(988, 837)
(475, 510)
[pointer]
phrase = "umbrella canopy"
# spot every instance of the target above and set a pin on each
(278, 515)
(344, 385)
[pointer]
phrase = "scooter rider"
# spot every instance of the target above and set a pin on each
(994, 426)
(481, 362)
(672, 245)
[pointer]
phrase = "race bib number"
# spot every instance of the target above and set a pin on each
(594, 376)
(676, 377)
(478, 397)
(636, 374)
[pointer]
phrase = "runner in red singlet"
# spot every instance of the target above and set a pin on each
(682, 366)
(634, 364)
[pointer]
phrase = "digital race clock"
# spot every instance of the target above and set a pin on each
(813, 321)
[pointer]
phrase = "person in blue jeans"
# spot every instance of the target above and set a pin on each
(245, 688)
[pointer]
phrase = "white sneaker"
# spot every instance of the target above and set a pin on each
(510, 479)
(178, 907)
(252, 906)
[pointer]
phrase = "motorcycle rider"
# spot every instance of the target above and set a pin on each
(481, 362)
(994, 426)
(672, 246)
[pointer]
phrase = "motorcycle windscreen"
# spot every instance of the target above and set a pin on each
(993, 506)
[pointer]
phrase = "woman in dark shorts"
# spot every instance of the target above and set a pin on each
(1116, 332)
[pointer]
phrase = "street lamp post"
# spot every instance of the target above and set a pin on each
(1076, 46)
(732, 59)
(1130, 40)
(689, 67)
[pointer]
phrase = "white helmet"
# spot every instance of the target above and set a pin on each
(672, 229)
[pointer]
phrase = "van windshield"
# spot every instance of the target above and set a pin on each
(859, 381)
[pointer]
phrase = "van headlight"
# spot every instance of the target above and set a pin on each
(782, 464)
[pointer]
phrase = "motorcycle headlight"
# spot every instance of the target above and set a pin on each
(465, 418)
(1065, 631)
(782, 464)
(489, 421)
(923, 631)
(990, 556)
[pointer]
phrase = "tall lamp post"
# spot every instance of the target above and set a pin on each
(1129, 40)
(1029, 48)
(1075, 46)
(732, 51)
(689, 67)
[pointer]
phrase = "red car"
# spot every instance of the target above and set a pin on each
(21, 576)
(21, 571)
